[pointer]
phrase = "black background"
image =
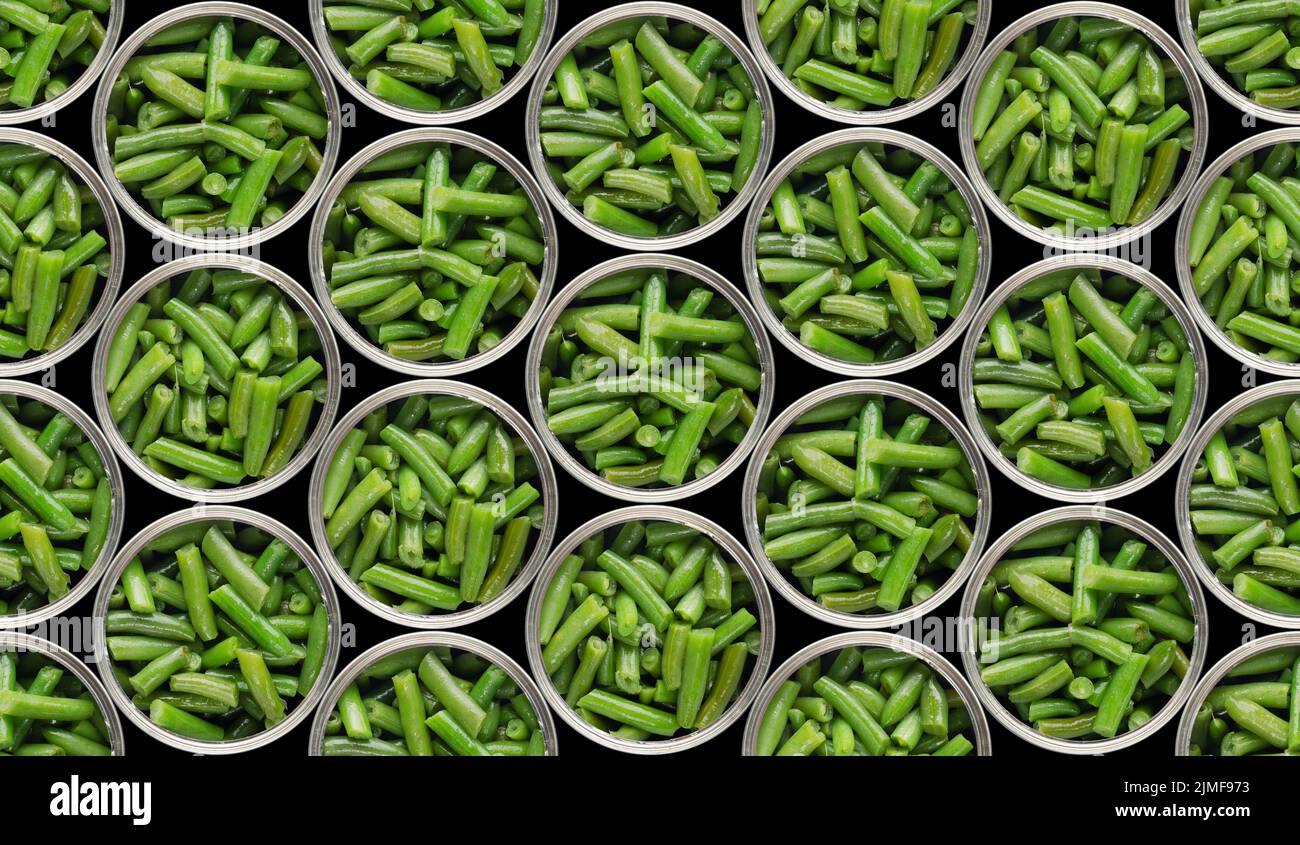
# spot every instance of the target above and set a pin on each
(579, 251)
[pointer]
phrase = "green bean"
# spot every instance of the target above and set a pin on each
(51, 45)
(1102, 165)
(650, 667)
(856, 698)
(865, 56)
(473, 694)
(217, 106)
(1256, 704)
(900, 458)
(470, 523)
(249, 612)
(440, 282)
(1240, 519)
(677, 144)
(41, 700)
(48, 237)
(1255, 302)
(1103, 569)
(1094, 418)
(1246, 39)
(863, 286)
(55, 509)
(240, 372)
(685, 389)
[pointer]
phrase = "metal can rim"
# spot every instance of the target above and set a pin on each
(339, 181)
(766, 621)
(550, 501)
(430, 639)
(1098, 513)
(754, 536)
(209, 513)
(301, 298)
(705, 275)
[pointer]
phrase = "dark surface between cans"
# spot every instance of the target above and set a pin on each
(578, 252)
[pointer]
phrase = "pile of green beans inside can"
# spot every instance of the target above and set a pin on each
(429, 504)
(1089, 627)
(433, 702)
(216, 630)
(214, 379)
(1255, 45)
(1244, 501)
(1240, 251)
(646, 630)
(866, 702)
(1255, 711)
(651, 127)
(866, 503)
(1081, 124)
(868, 252)
(446, 280)
(53, 251)
(215, 125)
(56, 505)
(861, 55)
(434, 55)
(652, 379)
(1083, 380)
(45, 710)
(46, 45)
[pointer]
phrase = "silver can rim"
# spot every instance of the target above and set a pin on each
(1182, 502)
(357, 340)
(117, 511)
(431, 639)
(104, 159)
(211, 513)
(601, 19)
(1183, 242)
(82, 83)
(300, 297)
(66, 659)
(871, 117)
(1097, 513)
(1219, 671)
(431, 118)
(116, 248)
(766, 622)
(754, 536)
(532, 377)
(845, 137)
(869, 639)
(1210, 75)
(1172, 201)
(550, 502)
(1108, 264)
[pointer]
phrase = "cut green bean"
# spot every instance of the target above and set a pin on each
(1100, 109)
(437, 254)
(1093, 399)
(868, 252)
(874, 489)
(218, 97)
(651, 642)
(663, 383)
(243, 664)
(1092, 631)
(655, 130)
